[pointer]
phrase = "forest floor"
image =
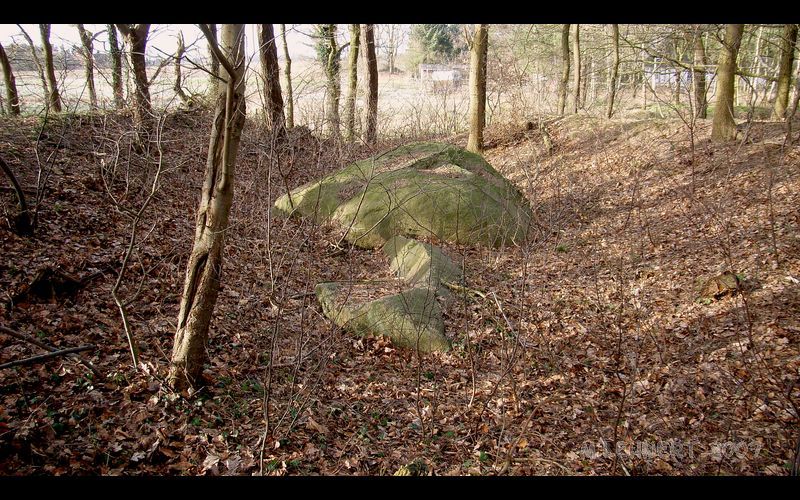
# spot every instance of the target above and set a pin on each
(590, 353)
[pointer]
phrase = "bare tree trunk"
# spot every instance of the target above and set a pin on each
(213, 78)
(268, 52)
(613, 70)
(757, 62)
(11, 83)
(136, 35)
(724, 126)
(788, 42)
(562, 89)
(54, 98)
(676, 70)
(477, 88)
(371, 128)
(644, 81)
(793, 108)
(205, 262)
(178, 87)
(585, 76)
(333, 87)
(22, 223)
(39, 67)
(289, 91)
(116, 67)
(699, 75)
(576, 78)
(88, 54)
(350, 103)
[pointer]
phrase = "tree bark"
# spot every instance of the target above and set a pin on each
(289, 90)
(477, 88)
(178, 87)
(699, 75)
(562, 89)
(788, 42)
(350, 103)
(333, 86)
(54, 98)
(88, 54)
(371, 128)
(205, 262)
(613, 70)
(116, 67)
(11, 83)
(576, 78)
(136, 35)
(724, 126)
(268, 53)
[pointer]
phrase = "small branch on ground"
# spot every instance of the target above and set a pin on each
(45, 357)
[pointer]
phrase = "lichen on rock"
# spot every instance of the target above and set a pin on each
(426, 189)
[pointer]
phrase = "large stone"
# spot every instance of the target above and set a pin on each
(411, 318)
(423, 189)
(420, 264)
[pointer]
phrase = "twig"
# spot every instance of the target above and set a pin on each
(44, 357)
(43, 345)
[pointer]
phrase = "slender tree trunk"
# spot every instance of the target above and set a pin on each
(268, 52)
(699, 75)
(613, 70)
(724, 126)
(178, 87)
(54, 98)
(136, 35)
(333, 86)
(792, 110)
(477, 88)
(788, 42)
(676, 71)
(22, 223)
(288, 71)
(371, 128)
(213, 78)
(585, 77)
(38, 62)
(576, 78)
(757, 62)
(11, 84)
(350, 103)
(116, 67)
(205, 262)
(644, 81)
(562, 89)
(88, 54)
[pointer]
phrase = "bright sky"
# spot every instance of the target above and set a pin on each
(163, 37)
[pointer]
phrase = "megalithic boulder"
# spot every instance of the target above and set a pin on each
(426, 189)
(411, 318)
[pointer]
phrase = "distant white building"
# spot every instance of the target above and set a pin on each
(442, 77)
(443, 73)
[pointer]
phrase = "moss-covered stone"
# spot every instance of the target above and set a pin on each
(411, 318)
(423, 189)
(420, 264)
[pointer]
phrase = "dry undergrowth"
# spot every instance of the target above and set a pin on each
(589, 332)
